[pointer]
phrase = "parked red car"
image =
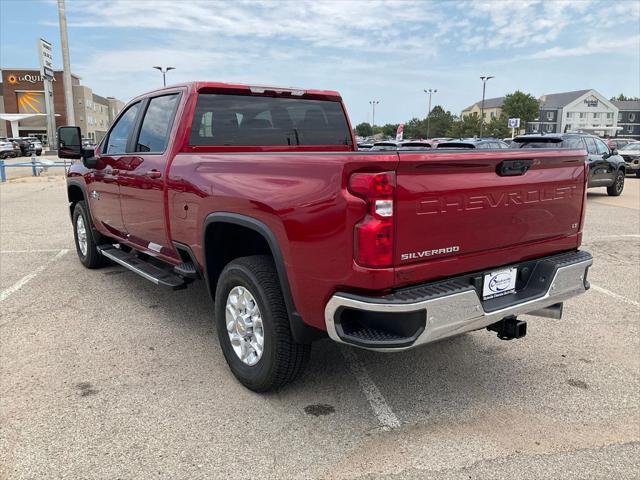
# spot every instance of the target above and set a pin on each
(261, 193)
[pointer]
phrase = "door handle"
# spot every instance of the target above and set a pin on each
(153, 174)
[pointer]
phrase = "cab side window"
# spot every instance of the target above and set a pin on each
(154, 133)
(119, 135)
(591, 145)
(601, 147)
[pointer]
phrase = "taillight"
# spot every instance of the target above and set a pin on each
(373, 242)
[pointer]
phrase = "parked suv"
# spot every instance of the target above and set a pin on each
(631, 155)
(261, 193)
(606, 167)
(36, 145)
(9, 148)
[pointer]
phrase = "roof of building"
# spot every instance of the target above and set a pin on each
(627, 104)
(99, 99)
(488, 103)
(559, 100)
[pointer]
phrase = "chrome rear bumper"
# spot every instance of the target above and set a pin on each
(454, 308)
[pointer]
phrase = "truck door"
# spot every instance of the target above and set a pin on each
(598, 176)
(608, 170)
(103, 190)
(142, 178)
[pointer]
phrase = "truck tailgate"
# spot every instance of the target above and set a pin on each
(451, 205)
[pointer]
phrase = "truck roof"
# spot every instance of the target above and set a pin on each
(254, 88)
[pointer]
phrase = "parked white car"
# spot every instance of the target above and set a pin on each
(8, 149)
(631, 155)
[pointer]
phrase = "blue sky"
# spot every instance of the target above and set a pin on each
(388, 51)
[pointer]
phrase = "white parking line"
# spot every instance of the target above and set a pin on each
(615, 295)
(27, 278)
(381, 409)
(37, 250)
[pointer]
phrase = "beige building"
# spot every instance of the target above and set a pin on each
(92, 113)
(492, 108)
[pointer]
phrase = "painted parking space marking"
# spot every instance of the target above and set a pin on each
(7, 292)
(379, 405)
(37, 250)
(615, 295)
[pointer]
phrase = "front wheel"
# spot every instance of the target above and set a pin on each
(86, 244)
(253, 325)
(618, 185)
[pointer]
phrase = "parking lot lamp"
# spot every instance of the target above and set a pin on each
(429, 92)
(164, 71)
(484, 87)
(373, 104)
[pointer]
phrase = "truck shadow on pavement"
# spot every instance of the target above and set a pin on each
(461, 373)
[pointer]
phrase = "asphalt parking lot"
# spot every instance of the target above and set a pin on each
(103, 375)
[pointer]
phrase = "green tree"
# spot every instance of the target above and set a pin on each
(622, 97)
(465, 127)
(439, 122)
(390, 129)
(364, 129)
(521, 105)
(415, 128)
(498, 128)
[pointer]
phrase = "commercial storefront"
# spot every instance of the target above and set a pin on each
(23, 92)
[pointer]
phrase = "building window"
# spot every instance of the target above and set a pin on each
(581, 115)
(609, 115)
(549, 116)
(632, 117)
(550, 127)
(619, 116)
(493, 114)
(569, 114)
(484, 114)
(630, 128)
(568, 126)
(596, 114)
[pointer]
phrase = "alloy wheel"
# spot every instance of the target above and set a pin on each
(244, 325)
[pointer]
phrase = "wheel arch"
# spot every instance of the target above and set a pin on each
(75, 194)
(262, 241)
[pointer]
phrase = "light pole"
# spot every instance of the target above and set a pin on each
(164, 73)
(373, 104)
(429, 92)
(66, 64)
(484, 86)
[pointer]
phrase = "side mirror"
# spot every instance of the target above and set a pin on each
(614, 151)
(69, 143)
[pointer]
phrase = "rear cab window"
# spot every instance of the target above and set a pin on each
(225, 120)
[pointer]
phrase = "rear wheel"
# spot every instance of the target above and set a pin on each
(86, 244)
(253, 325)
(618, 185)
(638, 173)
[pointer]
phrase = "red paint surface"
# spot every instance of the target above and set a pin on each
(303, 198)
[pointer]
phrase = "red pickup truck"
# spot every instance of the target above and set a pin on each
(262, 193)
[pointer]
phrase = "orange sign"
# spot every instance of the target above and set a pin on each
(30, 102)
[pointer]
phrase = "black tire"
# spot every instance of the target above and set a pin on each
(638, 173)
(282, 359)
(91, 258)
(38, 153)
(618, 185)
